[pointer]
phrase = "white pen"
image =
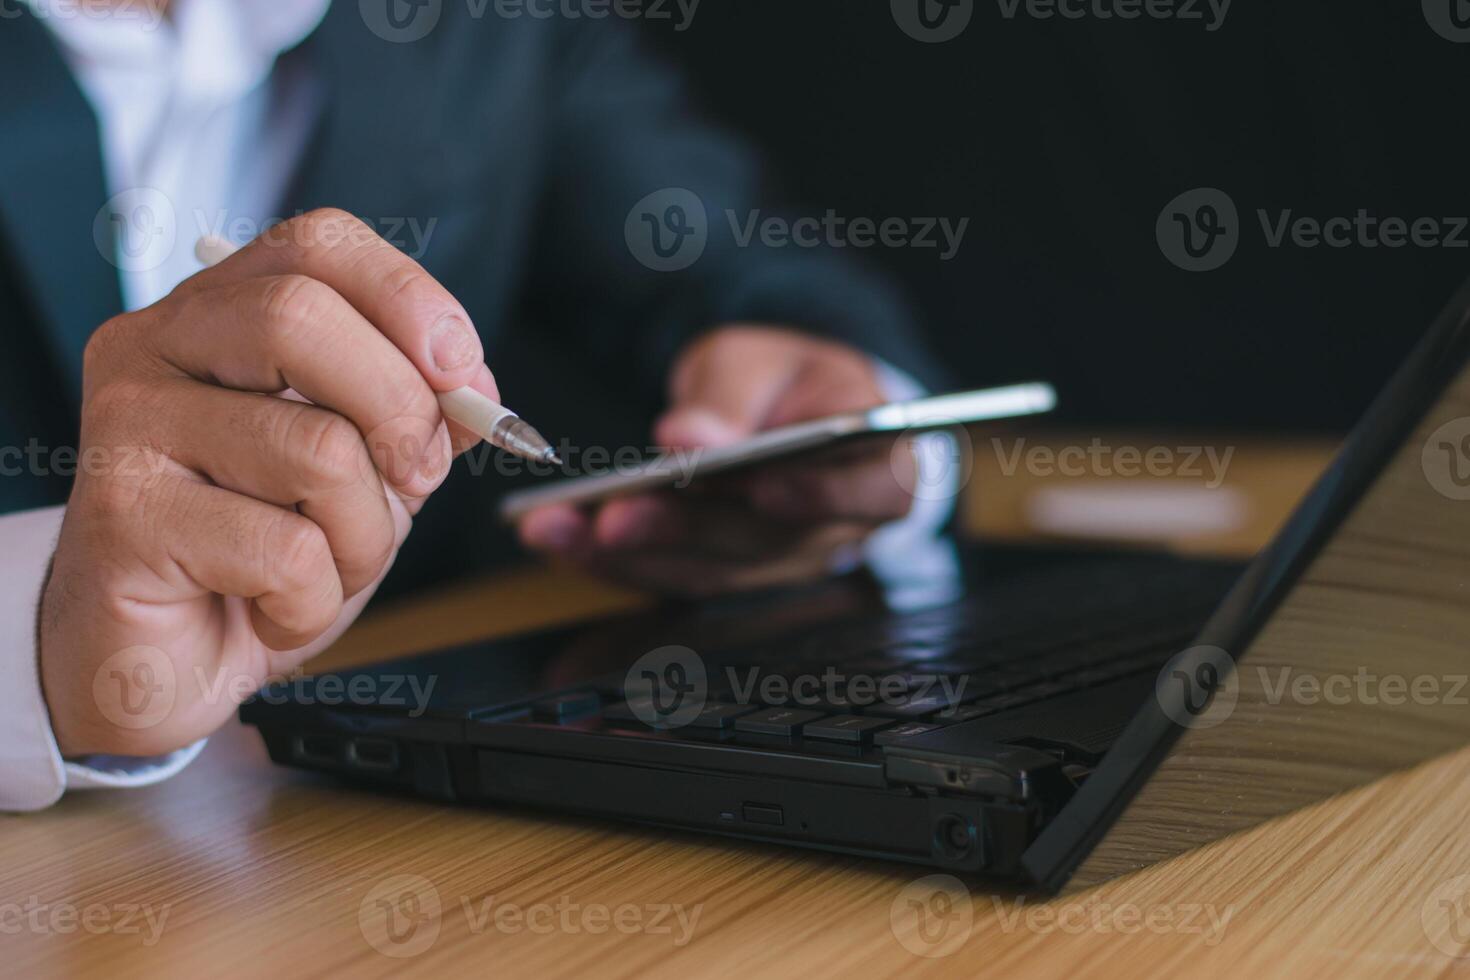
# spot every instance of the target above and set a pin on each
(483, 416)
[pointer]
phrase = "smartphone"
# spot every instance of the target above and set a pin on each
(677, 469)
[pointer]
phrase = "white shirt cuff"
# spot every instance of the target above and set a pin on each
(911, 559)
(32, 773)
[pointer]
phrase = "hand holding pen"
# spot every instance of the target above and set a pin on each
(245, 531)
(477, 412)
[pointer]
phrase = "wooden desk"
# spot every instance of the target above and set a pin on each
(258, 871)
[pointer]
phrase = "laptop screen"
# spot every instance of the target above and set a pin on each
(1342, 655)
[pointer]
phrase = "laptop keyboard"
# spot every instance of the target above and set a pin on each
(922, 673)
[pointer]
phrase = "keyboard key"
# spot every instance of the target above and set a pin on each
(628, 712)
(776, 721)
(986, 706)
(565, 706)
(917, 706)
(720, 715)
(899, 733)
(845, 728)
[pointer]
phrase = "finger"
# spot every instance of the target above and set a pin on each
(228, 544)
(390, 289)
(293, 455)
(707, 527)
(725, 388)
(868, 489)
(560, 529)
(294, 332)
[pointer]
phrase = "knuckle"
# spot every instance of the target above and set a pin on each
(327, 448)
(114, 406)
(110, 345)
(100, 344)
(298, 550)
(326, 228)
(118, 501)
(409, 285)
(291, 305)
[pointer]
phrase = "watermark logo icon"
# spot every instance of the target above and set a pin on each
(1198, 687)
(1199, 230)
(930, 465)
(1445, 916)
(401, 21)
(1446, 459)
(933, 21)
(135, 688)
(136, 230)
(668, 230)
(400, 916)
(932, 917)
(667, 687)
(1450, 19)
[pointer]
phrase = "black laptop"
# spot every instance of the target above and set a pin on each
(1074, 715)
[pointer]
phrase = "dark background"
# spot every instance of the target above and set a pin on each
(1063, 140)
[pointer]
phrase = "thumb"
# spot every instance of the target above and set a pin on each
(725, 389)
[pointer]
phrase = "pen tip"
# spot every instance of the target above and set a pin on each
(551, 457)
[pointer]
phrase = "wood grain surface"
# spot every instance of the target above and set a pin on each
(240, 868)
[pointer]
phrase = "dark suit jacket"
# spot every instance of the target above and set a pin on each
(528, 142)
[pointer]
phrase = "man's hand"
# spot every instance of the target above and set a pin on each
(780, 526)
(253, 448)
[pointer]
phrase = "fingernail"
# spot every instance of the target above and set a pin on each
(453, 344)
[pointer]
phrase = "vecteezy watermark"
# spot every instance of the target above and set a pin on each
(405, 21)
(670, 229)
(670, 687)
(1102, 917)
(410, 235)
(41, 918)
(938, 21)
(930, 465)
(410, 693)
(138, 687)
(677, 462)
(148, 13)
(1210, 13)
(933, 916)
(1208, 464)
(1200, 230)
(1198, 687)
(38, 459)
(1446, 459)
(1445, 916)
(136, 229)
(1450, 19)
(933, 21)
(1363, 686)
(832, 686)
(667, 687)
(401, 916)
(139, 229)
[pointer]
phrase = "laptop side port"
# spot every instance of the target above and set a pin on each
(317, 750)
(372, 755)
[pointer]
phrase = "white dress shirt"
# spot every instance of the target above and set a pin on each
(192, 137)
(200, 132)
